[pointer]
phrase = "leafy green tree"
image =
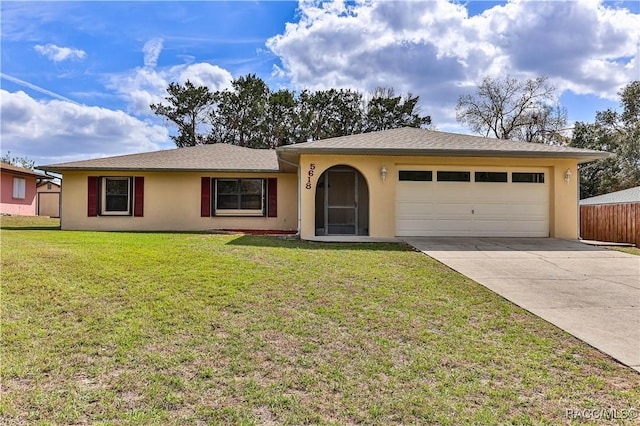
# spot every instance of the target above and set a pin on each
(328, 113)
(615, 132)
(280, 119)
(240, 113)
(249, 114)
(187, 107)
(513, 109)
(386, 111)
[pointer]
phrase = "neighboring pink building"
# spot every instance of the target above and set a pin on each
(18, 190)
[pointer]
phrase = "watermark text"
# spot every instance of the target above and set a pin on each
(602, 413)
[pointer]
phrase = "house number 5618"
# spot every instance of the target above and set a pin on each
(312, 167)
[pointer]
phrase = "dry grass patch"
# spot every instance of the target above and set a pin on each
(630, 250)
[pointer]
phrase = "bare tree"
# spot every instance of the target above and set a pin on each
(512, 109)
(24, 162)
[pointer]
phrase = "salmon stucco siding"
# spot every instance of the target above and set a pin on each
(17, 191)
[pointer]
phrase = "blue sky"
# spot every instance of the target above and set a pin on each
(77, 77)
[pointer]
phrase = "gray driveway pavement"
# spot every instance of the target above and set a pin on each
(593, 293)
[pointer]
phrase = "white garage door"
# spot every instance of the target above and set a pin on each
(472, 202)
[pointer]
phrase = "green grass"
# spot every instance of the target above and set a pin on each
(161, 328)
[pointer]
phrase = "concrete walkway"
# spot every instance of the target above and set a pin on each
(593, 293)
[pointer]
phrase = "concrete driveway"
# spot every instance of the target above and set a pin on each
(593, 293)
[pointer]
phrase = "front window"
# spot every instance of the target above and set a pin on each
(239, 197)
(116, 196)
(19, 188)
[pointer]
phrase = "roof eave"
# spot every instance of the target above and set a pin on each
(52, 168)
(18, 172)
(583, 157)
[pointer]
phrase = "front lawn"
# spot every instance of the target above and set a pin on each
(162, 328)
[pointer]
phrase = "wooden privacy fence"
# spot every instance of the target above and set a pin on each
(616, 223)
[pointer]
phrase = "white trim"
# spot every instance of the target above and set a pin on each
(239, 212)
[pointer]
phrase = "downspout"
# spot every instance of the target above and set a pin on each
(39, 180)
(297, 166)
(52, 177)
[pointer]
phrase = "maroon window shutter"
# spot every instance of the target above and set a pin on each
(205, 197)
(92, 196)
(272, 197)
(138, 196)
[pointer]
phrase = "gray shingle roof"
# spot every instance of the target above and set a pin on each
(214, 157)
(414, 141)
(631, 195)
(404, 141)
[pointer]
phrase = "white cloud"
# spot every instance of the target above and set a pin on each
(580, 45)
(151, 50)
(202, 74)
(144, 86)
(437, 51)
(58, 54)
(42, 130)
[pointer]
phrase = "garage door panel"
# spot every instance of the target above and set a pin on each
(490, 224)
(494, 210)
(415, 191)
(531, 211)
(451, 192)
(527, 228)
(493, 193)
(446, 209)
(523, 193)
(453, 225)
(414, 209)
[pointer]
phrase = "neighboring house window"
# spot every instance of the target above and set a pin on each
(19, 188)
(115, 196)
(49, 186)
(239, 197)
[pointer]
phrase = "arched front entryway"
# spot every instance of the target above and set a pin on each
(342, 202)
